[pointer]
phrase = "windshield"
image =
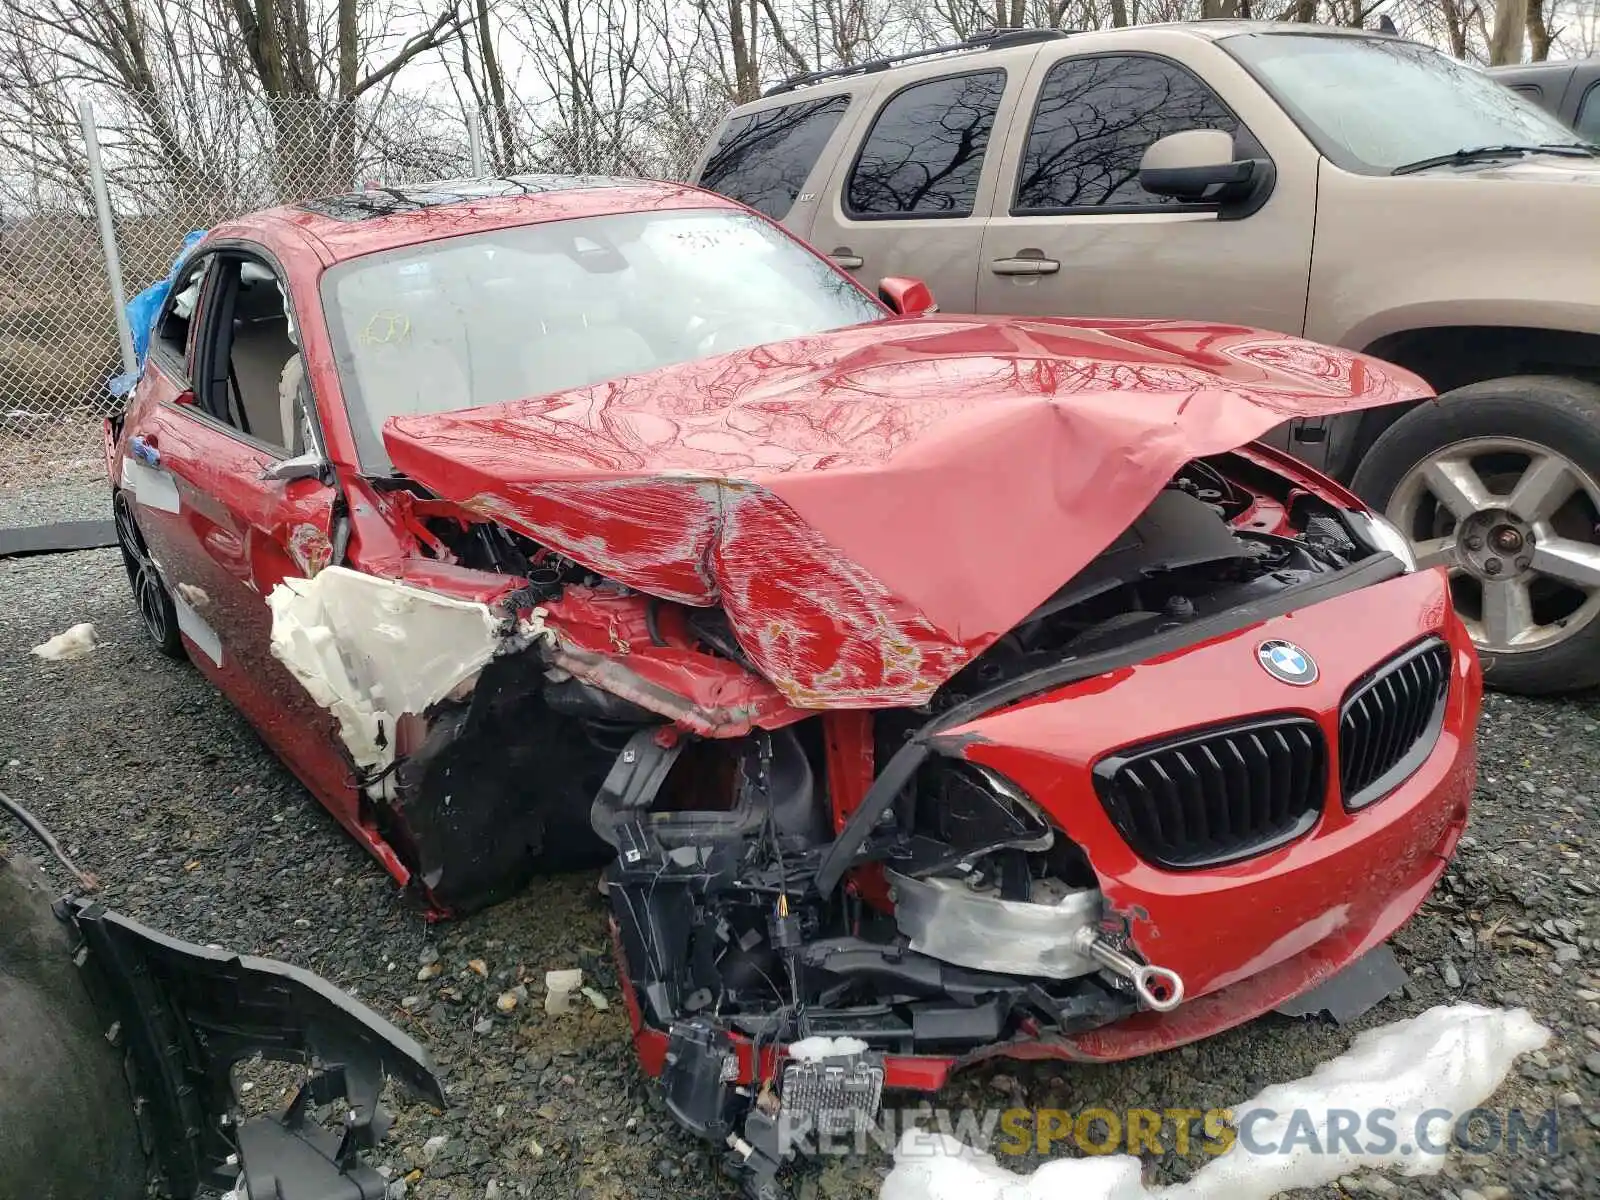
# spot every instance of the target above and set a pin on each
(497, 316)
(1371, 104)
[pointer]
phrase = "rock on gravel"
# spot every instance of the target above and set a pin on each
(151, 781)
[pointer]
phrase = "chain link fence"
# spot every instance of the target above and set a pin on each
(172, 164)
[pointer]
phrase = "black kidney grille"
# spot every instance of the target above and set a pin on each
(1390, 722)
(1219, 794)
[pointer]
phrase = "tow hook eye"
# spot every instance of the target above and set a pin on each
(1158, 988)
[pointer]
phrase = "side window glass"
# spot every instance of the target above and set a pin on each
(250, 366)
(763, 159)
(1588, 120)
(177, 312)
(1095, 119)
(925, 151)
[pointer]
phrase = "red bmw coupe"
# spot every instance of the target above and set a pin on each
(934, 686)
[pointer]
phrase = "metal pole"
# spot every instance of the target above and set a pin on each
(108, 234)
(475, 143)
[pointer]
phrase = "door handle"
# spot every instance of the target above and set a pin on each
(846, 257)
(1025, 264)
(144, 449)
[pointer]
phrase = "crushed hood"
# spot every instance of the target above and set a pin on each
(874, 506)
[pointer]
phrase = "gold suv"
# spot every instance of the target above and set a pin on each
(1352, 188)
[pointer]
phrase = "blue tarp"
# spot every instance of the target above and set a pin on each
(142, 311)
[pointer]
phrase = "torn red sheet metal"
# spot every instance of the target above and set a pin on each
(873, 507)
(612, 641)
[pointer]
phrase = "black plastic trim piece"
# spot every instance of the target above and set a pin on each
(185, 1014)
(1421, 745)
(1107, 771)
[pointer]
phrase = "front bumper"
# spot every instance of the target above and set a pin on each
(1248, 936)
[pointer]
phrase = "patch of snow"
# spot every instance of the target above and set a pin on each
(813, 1048)
(68, 645)
(1451, 1058)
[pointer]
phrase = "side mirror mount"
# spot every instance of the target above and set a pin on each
(906, 297)
(310, 465)
(1198, 166)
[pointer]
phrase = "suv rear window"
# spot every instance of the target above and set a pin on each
(1095, 119)
(925, 151)
(763, 159)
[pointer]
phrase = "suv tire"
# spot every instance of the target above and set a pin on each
(1514, 517)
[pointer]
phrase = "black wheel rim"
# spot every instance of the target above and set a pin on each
(148, 592)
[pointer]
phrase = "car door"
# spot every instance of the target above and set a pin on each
(912, 198)
(1075, 234)
(206, 446)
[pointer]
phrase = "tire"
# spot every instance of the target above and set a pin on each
(150, 596)
(1499, 482)
(67, 1126)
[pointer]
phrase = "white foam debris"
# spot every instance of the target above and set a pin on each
(935, 1166)
(68, 645)
(559, 987)
(370, 649)
(812, 1049)
(1448, 1060)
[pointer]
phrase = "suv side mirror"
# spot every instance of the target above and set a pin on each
(906, 297)
(1197, 165)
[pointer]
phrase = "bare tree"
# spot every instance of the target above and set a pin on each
(1510, 27)
(1539, 36)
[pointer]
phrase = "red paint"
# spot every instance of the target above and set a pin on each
(907, 297)
(871, 508)
(605, 637)
(1191, 921)
(847, 741)
(848, 498)
(1231, 931)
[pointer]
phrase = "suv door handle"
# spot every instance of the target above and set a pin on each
(1025, 264)
(845, 257)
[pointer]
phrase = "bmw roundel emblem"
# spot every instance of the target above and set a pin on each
(1288, 662)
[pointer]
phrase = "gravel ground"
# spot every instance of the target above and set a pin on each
(158, 786)
(49, 451)
(60, 499)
